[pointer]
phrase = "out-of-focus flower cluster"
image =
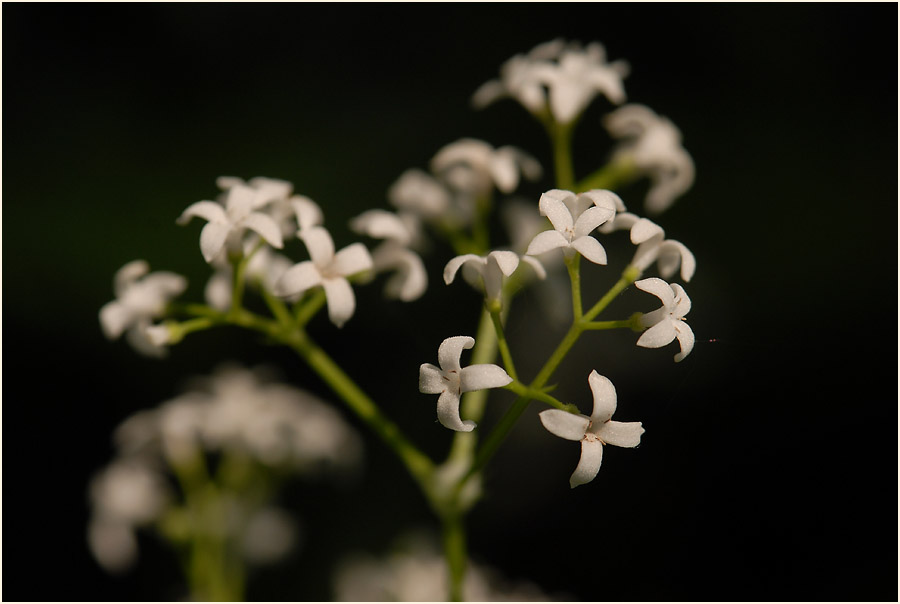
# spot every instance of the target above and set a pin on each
(233, 432)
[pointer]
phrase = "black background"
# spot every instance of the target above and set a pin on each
(768, 471)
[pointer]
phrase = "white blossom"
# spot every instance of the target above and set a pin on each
(573, 218)
(399, 233)
(140, 298)
(594, 431)
(450, 381)
(265, 268)
(666, 323)
(652, 144)
(475, 167)
(228, 221)
(487, 272)
(420, 193)
(328, 269)
(654, 247)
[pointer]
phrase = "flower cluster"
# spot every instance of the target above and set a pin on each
(240, 419)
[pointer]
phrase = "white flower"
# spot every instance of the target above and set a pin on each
(265, 267)
(576, 78)
(140, 298)
(474, 167)
(594, 431)
(328, 269)
(654, 247)
(652, 143)
(267, 189)
(519, 79)
(573, 218)
(226, 224)
(399, 232)
(450, 381)
(420, 193)
(667, 322)
(488, 271)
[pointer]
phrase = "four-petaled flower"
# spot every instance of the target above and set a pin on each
(474, 167)
(573, 218)
(594, 431)
(667, 322)
(488, 271)
(399, 233)
(140, 298)
(450, 381)
(652, 144)
(328, 269)
(226, 224)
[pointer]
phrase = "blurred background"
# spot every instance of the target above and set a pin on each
(768, 470)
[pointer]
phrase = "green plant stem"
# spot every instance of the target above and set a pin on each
(598, 325)
(610, 176)
(454, 539)
(502, 344)
(561, 138)
(306, 309)
(573, 266)
(538, 395)
(629, 276)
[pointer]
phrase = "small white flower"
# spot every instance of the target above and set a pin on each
(399, 233)
(140, 298)
(450, 381)
(487, 272)
(328, 269)
(576, 78)
(226, 224)
(573, 219)
(652, 143)
(474, 167)
(420, 193)
(667, 322)
(594, 431)
(265, 268)
(654, 247)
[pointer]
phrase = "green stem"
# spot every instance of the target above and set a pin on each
(573, 266)
(561, 138)
(610, 176)
(629, 276)
(454, 538)
(501, 342)
(596, 325)
(308, 308)
(538, 395)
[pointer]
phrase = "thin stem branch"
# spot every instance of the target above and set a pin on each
(502, 344)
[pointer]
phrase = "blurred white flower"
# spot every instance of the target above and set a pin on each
(475, 167)
(573, 219)
(417, 572)
(422, 195)
(450, 381)
(268, 535)
(227, 221)
(394, 254)
(594, 431)
(652, 144)
(265, 268)
(140, 298)
(654, 247)
(328, 269)
(666, 323)
(487, 272)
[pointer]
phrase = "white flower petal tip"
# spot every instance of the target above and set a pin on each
(450, 380)
(594, 431)
(652, 144)
(654, 247)
(474, 167)
(666, 323)
(574, 218)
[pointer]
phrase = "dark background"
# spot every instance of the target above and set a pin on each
(768, 471)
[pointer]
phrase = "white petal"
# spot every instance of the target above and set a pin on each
(487, 93)
(480, 377)
(504, 171)
(128, 274)
(319, 244)
(340, 298)
(603, 198)
(381, 224)
(218, 291)
(165, 283)
(535, 264)
(212, 239)
(659, 335)
(431, 380)
(590, 248)
(453, 266)
(507, 261)
(682, 302)
(239, 201)
(115, 318)
(308, 212)
(451, 349)
(588, 464)
(158, 335)
(591, 218)
(546, 241)
(140, 341)
(553, 207)
(685, 336)
(621, 434)
(353, 259)
(448, 413)
(563, 424)
(265, 227)
(658, 288)
(207, 210)
(604, 398)
(411, 279)
(298, 279)
(645, 229)
(671, 254)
